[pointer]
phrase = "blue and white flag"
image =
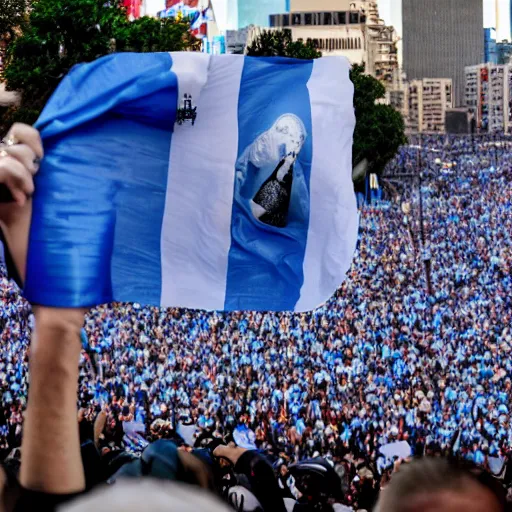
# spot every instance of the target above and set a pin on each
(189, 180)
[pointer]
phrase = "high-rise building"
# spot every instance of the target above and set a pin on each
(504, 52)
(488, 95)
(426, 103)
(441, 38)
(490, 50)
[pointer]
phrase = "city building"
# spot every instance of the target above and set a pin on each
(382, 53)
(238, 40)
(398, 96)
(490, 48)
(441, 38)
(488, 96)
(344, 27)
(427, 101)
(332, 30)
(504, 52)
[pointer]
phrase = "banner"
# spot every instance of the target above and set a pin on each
(400, 449)
(198, 12)
(188, 180)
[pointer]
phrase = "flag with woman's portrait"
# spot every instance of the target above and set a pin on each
(198, 181)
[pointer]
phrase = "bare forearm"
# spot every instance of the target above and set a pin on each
(51, 460)
(16, 229)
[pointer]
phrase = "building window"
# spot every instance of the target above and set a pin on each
(308, 18)
(354, 18)
(342, 18)
(286, 20)
(273, 20)
(327, 18)
(297, 19)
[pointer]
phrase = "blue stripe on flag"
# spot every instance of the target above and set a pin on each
(115, 231)
(265, 266)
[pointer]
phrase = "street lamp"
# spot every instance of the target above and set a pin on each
(425, 249)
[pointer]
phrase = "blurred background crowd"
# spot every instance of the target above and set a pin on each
(383, 371)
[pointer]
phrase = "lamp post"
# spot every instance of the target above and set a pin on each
(425, 250)
(406, 210)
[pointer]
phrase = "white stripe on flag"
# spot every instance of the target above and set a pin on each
(196, 238)
(333, 217)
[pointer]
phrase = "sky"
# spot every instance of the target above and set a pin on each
(153, 6)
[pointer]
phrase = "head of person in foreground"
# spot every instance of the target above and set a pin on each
(442, 485)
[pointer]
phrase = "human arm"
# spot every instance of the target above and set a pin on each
(51, 460)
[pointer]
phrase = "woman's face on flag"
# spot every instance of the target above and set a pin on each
(290, 132)
(285, 137)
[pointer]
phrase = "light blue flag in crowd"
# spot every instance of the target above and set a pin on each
(189, 180)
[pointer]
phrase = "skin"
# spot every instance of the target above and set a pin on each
(51, 460)
(473, 498)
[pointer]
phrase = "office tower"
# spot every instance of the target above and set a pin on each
(491, 52)
(441, 38)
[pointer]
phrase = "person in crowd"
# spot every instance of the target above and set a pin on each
(383, 363)
(431, 485)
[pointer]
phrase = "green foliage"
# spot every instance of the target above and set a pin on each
(156, 35)
(280, 44)
(62, 33)
(13, 16)
(380, 129)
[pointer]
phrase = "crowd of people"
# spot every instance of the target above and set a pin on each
(384, 364)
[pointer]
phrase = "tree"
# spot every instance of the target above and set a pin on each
(379, 128)
(13, 16)
(280, 44)
(62, 33)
